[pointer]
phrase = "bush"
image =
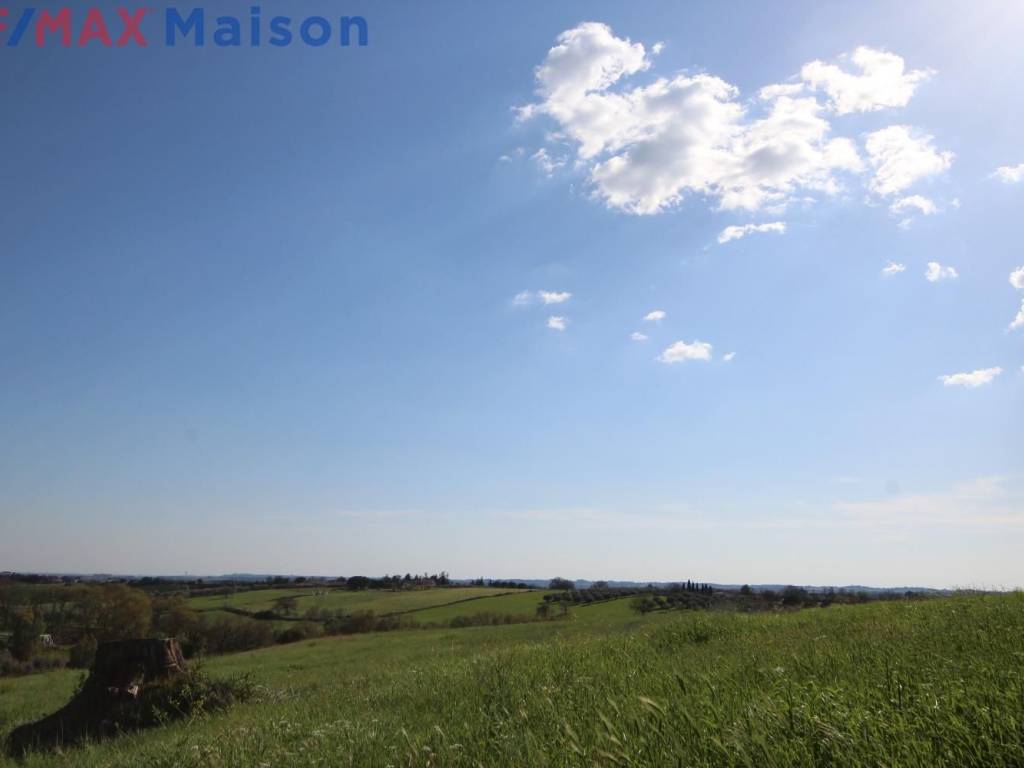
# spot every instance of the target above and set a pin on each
(227, 635)
(24, 642)
(83, 652)
(493, 619)
(195, 693)
(794, 596)
(11, 665)
(304, 630)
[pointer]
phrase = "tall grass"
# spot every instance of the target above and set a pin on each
(933, 683)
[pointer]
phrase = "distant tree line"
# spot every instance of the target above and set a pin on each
(499, 584)
(407, 581)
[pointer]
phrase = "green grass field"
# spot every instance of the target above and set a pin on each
(379, 601)
(931, 683)
(520, 604)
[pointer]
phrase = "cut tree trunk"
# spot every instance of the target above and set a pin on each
(112, 699)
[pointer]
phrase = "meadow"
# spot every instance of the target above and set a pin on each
(379, 601)
(936, 682)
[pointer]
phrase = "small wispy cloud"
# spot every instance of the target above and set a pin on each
(655, 316)
(1017, 278)
(547, 163)
(681, 351)
(936, 272)
(544, 297)
(728, 356)
(735, 232)
(902, 156)
(554, 297)
(637, 336)
(912, 203)
(985, 502)
(893, 268)
(971, 380)
(1018, 320)
(1009, 174)
(557, 323)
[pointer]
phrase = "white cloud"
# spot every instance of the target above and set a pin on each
(970, 380)
(907, 206)
(545, 297)
(1018, 320)
(680, 351)
(1010, 174)
(554, 297)
(984, 502)
(736, 232)
(912, 203)
(1017, 278)
(728, 356)
(892, 268)
(900, 158)
(646, 142)
(556, 323)
(637, 336)
(936, 272)
(770, 92)
(646, 146)
(655, 316)
(882, 81)
(547, 163)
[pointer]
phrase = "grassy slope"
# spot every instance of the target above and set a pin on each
(378, 601)
(912, 684)
(515, 604)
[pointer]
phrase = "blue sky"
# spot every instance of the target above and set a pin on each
(365, 310)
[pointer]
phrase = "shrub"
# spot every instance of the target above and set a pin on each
(83, 652)
(24, 642)
(227, 635)
(9, 665)
(304, 630)
(46, 662)
(794, 596)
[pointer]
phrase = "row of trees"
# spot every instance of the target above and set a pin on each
(107, 612)
(678, 600)
(81, 616)
(397, 582)
(499, 583)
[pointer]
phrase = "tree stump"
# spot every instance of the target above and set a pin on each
(112, 697)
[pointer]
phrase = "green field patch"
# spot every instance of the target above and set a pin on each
(381, 602)
(519, 604)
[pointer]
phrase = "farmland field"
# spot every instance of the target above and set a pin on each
(378, 601)
(520, 603)
(911, 683)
